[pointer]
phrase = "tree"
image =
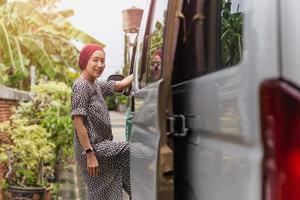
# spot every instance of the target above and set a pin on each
(33, 33)
(232, 36)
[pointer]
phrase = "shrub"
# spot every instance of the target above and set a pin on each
(121, 99)
(42, 132)
(50, 107)
(111, 102)
(31, 148)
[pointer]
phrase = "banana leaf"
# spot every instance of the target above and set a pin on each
(69, 30)
(21, 70)
(66, 13)
(68, 53)
(5, 45)
(26, 10)
(38, 55)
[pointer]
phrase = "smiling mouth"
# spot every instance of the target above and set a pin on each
(98, 71)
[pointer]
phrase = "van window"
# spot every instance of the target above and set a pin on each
(153, 70)
(231, 32)
(210, 38)
(139, 45)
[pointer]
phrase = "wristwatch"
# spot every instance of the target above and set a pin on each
(89, 150)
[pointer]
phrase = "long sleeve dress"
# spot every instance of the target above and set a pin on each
(113, 158)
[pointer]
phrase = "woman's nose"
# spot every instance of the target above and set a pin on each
(100, 65)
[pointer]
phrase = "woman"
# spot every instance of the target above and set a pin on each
(104, 164)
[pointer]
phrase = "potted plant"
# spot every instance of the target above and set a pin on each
(121, 103)
(28, 154)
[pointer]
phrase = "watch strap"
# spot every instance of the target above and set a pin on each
(89, 150)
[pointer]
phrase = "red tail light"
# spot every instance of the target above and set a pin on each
(280, 117)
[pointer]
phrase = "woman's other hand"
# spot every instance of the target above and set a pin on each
(92, 164)
(120, 85)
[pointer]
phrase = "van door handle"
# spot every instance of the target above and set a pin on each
(180, 125)
(176, 125)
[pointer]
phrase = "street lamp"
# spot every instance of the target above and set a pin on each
(132, 19)
(131, 23)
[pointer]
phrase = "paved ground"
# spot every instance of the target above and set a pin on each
(72, 187)
(118, 125)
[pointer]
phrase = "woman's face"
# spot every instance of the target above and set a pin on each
(96, 64)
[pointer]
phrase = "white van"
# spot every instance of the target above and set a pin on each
(216, 96)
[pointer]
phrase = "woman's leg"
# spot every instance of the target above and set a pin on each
(126, 174)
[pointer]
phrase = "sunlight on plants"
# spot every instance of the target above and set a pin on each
(41, 134)
(35, 33)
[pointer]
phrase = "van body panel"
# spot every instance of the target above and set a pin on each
(290, 30)
(261, 54)
(221, 156)
(146, 127)
(144, 137)
(143, 168)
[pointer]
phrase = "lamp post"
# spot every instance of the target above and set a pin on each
(131, 24)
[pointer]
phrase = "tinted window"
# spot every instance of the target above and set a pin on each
(154, 57)
(210, 38)
(140, 43)
(231, 32)
(153, 50)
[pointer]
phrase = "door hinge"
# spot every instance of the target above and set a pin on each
(176, 125)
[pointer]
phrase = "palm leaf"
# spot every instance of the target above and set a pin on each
(26, 10)
(68, 54)
(66, 13)
(83, 37)
(38, 55)
(44, 4)
(21, 70)
(2, 2)
(68, 29)
(5, 44)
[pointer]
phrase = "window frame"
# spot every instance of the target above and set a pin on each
(212, 47)
(142, 64)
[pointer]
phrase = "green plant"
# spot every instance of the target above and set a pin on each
(121, 99)
(30, 150)
(43, 121)
(50, 107)
(231, 38)
(111, 102)
(33, 32)
(3, 153)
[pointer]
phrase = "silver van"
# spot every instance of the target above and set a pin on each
(216, 99)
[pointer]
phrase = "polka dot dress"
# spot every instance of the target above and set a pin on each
(113, 158)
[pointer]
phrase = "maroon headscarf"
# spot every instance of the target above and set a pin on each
(86, 52)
